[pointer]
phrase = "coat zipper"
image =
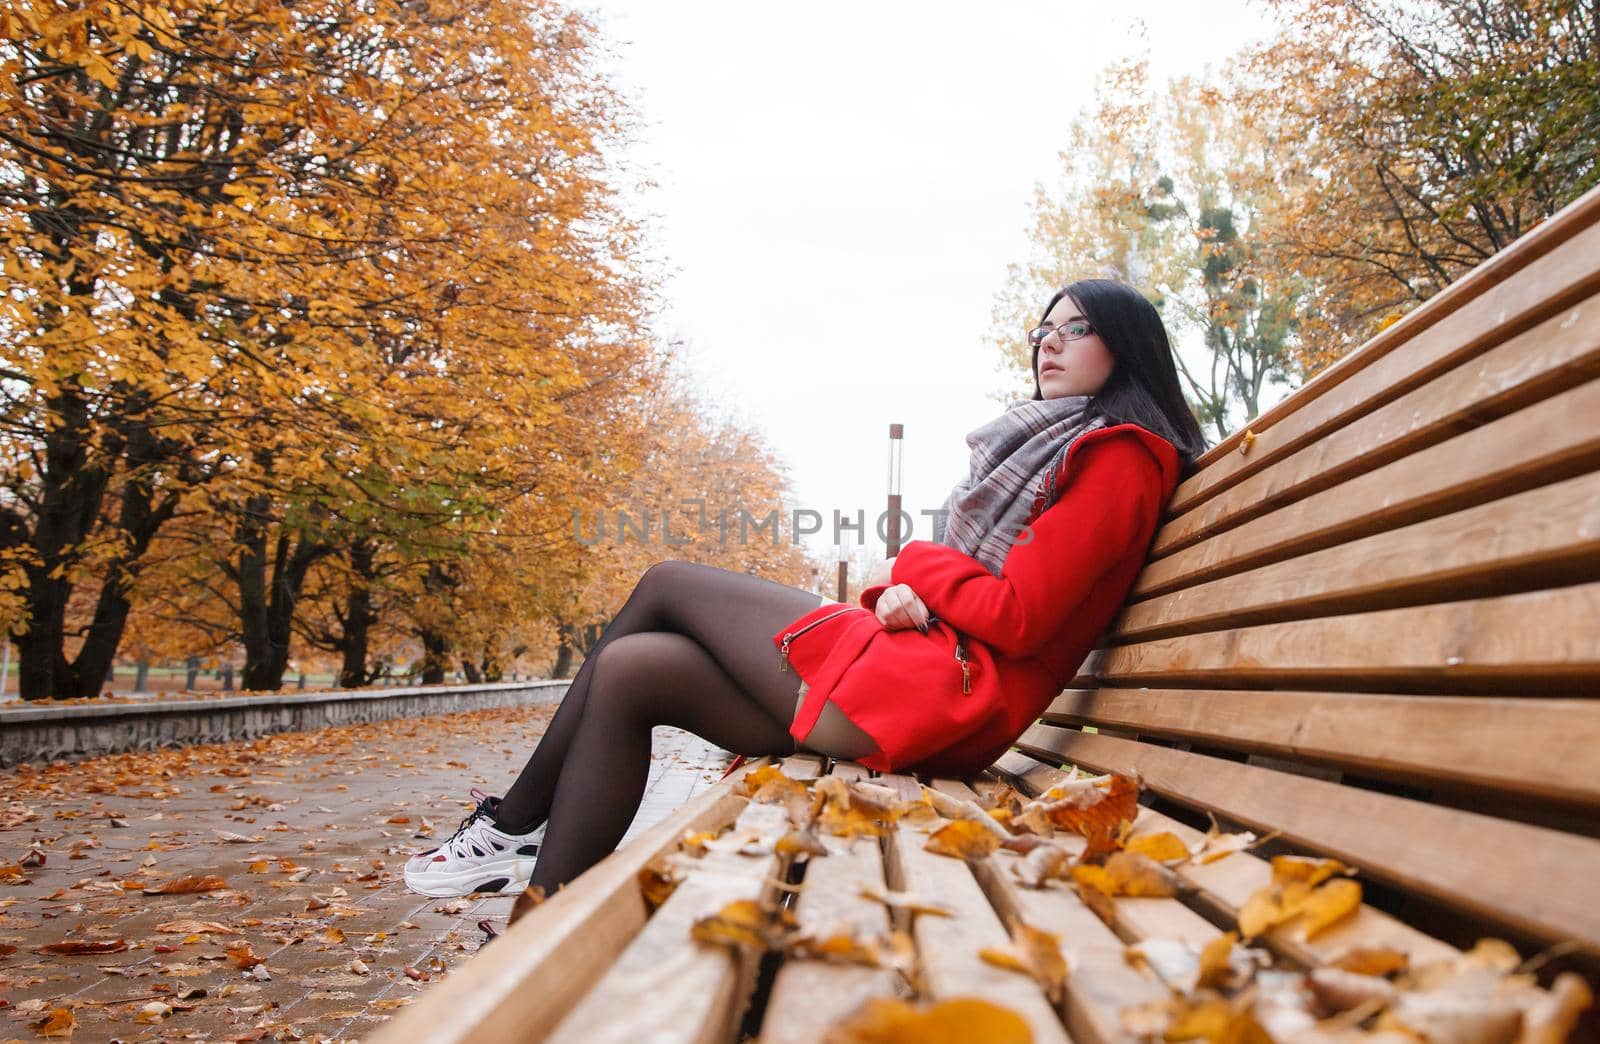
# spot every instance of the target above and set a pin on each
(783, 650)
(961, 648)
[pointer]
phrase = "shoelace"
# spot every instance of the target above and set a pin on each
(486, 803)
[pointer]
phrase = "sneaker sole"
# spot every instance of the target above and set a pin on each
(512, 873)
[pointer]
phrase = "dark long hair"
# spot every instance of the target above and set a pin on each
(1143, 387)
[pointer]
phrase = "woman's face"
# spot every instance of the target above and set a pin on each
(1077, 367)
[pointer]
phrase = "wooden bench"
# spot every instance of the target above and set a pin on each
(1369, 630)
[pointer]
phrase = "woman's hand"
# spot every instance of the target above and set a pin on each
(880, 573)
(899, 607)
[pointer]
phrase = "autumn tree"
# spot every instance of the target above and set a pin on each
(704, 489)
(1160, 187)
(1416, 140)
(309, 260)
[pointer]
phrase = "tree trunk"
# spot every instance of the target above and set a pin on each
(141, 678)
(563, 662)
(435, 653)
(470, 669)
(358, 617)
(267, 599)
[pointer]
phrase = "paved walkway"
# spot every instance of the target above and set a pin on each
(308, 832)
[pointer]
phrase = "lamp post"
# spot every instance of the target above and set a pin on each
(844, 565)
(892, 538)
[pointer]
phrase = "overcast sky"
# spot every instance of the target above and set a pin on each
(841, 187)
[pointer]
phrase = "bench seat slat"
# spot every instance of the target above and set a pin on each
(563, 945)
(1101, 984)
(666, 986)
(1527, 640)
(808, 996)
(1454, 326)
(1537, 880)
(1540, 748)
(947, 947)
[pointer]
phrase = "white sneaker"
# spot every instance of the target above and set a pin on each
(477, 857)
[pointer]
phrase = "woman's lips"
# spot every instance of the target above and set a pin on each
(1050, 368)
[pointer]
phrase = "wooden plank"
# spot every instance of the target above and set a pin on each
(668, 987)
(1533, 879)
(1543, 537)
(1541, 642)
(1479, 316)
(1549, 441)
(947, 947)
(1223, 886)
(1541, 748)
(1100, 983)
(809, 996)
(563, 945)
(1134, 918)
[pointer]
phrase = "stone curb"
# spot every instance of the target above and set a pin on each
(35, 733)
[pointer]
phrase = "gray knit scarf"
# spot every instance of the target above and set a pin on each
(1014, 462)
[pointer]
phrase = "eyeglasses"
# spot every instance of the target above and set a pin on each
(1071, 330)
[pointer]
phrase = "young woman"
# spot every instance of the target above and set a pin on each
(956, 646)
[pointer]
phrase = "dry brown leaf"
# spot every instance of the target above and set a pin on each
(153, 1012)
(1044, 862)
(188, 885)
(1337, 990)
(59, 1023)
(1163, 847)
(1130, 874)
(958, 1020)
(916, 904)
(657, 880)
(1214, 965)
(189, 926)
(1005, 957)
(1093, 808)
(1328, 905)
(753, 779)
(1215, 1020)
(694, 842)
(963, 839)
(529, 898)
(800, 845)
(744, 922)
(1035, 953)
(242, 956)
(1295, 889)
(81, 947)
(841, 947)
(1371, 960)
(850, 811)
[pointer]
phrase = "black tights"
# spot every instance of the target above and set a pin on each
(692, 648)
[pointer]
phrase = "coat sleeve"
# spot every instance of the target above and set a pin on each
(1094, 523)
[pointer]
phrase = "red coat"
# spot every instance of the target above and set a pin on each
(1028, 630)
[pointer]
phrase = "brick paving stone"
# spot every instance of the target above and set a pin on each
(305, 830)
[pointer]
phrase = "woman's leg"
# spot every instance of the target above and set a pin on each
(641, 680)
(732, 616)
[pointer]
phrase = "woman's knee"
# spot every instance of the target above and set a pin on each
(631, 667)
(659, 584)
